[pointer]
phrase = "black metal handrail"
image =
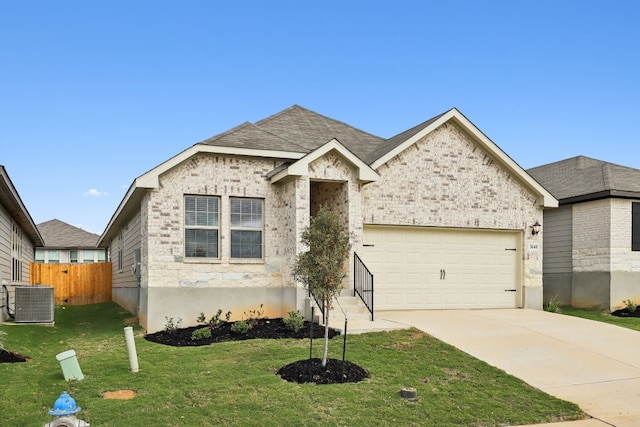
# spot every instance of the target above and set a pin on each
(319, 303)
(363, 283)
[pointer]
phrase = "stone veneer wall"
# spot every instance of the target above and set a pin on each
(447, 180)
(606, 272)
(181, 287)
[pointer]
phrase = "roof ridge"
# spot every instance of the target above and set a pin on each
(298, 107)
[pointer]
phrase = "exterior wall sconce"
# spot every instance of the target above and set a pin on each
(535, 228)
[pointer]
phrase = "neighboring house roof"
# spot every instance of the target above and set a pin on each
(581, 179)
(58, 234)
(298, 136)
(10, 200)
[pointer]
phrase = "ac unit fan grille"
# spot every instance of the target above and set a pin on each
(34, 304)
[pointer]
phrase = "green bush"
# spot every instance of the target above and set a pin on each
(294, 322)
(240, 327)
(201, 333)
(171, 325)
(630, 305)
(215, 321)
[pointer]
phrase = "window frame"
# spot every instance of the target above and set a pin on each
(635, 226)
(201, 227)
(246, 228)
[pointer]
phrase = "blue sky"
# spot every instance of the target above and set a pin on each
(94, 94)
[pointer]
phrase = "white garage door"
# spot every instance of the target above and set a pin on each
(431, 268)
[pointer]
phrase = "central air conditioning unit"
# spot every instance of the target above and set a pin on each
(34, 304)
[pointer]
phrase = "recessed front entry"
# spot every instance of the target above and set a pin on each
(435, 268)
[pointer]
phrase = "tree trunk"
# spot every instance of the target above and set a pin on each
(326, 334)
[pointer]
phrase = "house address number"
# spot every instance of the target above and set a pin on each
(534, 246)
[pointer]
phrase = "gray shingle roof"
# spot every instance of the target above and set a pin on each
(391, 143)
(586, 178)
(59, 234)
(297, 130)
(250, 136)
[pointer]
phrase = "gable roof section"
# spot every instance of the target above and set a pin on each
(299, 136)
(581, 179)
(58, 234)
(10, 200)
(312, 130)
(394, 146)
(301, 167)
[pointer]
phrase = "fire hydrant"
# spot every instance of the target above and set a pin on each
(64, 413)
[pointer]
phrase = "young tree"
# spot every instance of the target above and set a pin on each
(321, 268)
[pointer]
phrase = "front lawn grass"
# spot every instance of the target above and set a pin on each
(234, 383)
(602, 316)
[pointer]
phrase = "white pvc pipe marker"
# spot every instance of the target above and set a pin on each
(131, 348)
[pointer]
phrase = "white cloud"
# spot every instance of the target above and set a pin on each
(92, 192)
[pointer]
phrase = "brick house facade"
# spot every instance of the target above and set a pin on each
(258, 184)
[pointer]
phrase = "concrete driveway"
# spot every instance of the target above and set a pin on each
(592, 364)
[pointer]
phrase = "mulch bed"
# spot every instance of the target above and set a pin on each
(9, 357)
(302, 371)
(263, 328)
(312, 371)
(625, 312)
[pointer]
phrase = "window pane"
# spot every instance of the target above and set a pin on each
(39, 255)
(201, 243)
(201, 211)
(101, 256)
(246, 213)
(87, 255)
(246, 244)
(635, 226)
(73, 256)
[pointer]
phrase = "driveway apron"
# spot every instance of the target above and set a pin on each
(592, 364)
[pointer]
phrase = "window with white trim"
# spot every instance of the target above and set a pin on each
(635, 226)
(201, 223)
(246, 228)
(16, 253)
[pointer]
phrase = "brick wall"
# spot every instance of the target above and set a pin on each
(447, 180)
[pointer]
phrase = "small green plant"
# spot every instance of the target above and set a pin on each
(3, 336)
(253, 316)
(171, 325)
(294, 322)
(240, 327)
(553, 306)
(201, 333)
(215, 321)
(630, 306)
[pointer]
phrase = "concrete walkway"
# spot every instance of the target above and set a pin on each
(592, 364)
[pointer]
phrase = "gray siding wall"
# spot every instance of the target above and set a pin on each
(124, 289)
(558, 240)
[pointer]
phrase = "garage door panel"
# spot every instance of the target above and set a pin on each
(421, 267)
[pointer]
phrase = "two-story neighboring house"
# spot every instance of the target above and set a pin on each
(18, 238)
(66, 244)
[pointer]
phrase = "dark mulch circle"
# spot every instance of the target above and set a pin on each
(263, 328)
(303, 371)
(625, 312)
(312, 371)
(9, 357)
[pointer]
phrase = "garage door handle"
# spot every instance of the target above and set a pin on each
(510, 249)
(510, 290)
(368, 246)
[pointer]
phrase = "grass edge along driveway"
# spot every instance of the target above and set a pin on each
(234, 383)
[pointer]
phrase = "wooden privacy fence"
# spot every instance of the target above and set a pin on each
(75, 284)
